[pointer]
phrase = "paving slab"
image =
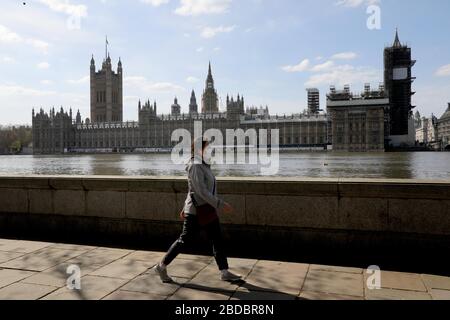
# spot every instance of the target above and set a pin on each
(8, 277)
(315, 267)
(241, 266)
(281, 277)
(436, 282)
(124, 269)
(192, 293)
(145, 255)
(116, 251)
(339, 283)
(320, 296)
(66, 246)
(42, 259)
(99, 257)
(201, 258)
(248, 295)
(209, 280)
(37, 270)
(401, 281)
(393, 294)
(130, 295)
(92, 288)
(25, 291)
(7, 256)
(57, 276)
(438, 294)
(182, 268)
(151, 283)
(22, 246)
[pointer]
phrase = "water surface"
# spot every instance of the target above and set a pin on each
(413, 165)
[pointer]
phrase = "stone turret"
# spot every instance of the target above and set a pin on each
(176, 108)
(193, 107)
(210, 99)
(106, 91)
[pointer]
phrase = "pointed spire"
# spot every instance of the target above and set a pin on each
(78, 117)
(106, 48)
(397, 43)
(209, 80)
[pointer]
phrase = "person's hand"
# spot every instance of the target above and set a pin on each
(182, 215)
(227, 208)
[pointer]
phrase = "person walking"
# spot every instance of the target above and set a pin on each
(200, 212)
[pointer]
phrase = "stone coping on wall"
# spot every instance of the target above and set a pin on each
(353, 206)
(369, 188)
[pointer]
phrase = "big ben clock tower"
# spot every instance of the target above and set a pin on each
(398, 81)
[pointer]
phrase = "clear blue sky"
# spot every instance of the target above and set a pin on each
(268, 50)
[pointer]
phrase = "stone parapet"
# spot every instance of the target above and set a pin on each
(301, 209)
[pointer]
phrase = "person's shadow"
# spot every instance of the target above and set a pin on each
(250, 292)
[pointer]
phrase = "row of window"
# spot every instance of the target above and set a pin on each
(101, 96)
(152, 142)
(102, 118)
(357, 126)
(359, 139)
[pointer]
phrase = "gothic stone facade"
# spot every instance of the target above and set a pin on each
(52, 132)
(444, 129)
(106, 92)
(57, 133)
(358, 122)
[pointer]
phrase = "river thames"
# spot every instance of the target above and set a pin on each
(413, 165)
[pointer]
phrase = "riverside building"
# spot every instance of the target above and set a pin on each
(59, 132)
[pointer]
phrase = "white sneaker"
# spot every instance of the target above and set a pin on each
(162, 273)
(228, 276)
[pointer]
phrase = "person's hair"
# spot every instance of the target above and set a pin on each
(204, 145)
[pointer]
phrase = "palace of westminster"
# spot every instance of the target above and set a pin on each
(366, 122)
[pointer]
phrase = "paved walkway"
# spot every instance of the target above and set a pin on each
(37, 270)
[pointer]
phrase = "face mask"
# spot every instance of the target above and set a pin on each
(207, 157)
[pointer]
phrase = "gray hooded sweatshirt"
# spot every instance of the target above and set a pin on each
(202, 187)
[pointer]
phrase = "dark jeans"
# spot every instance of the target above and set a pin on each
(191, 229)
